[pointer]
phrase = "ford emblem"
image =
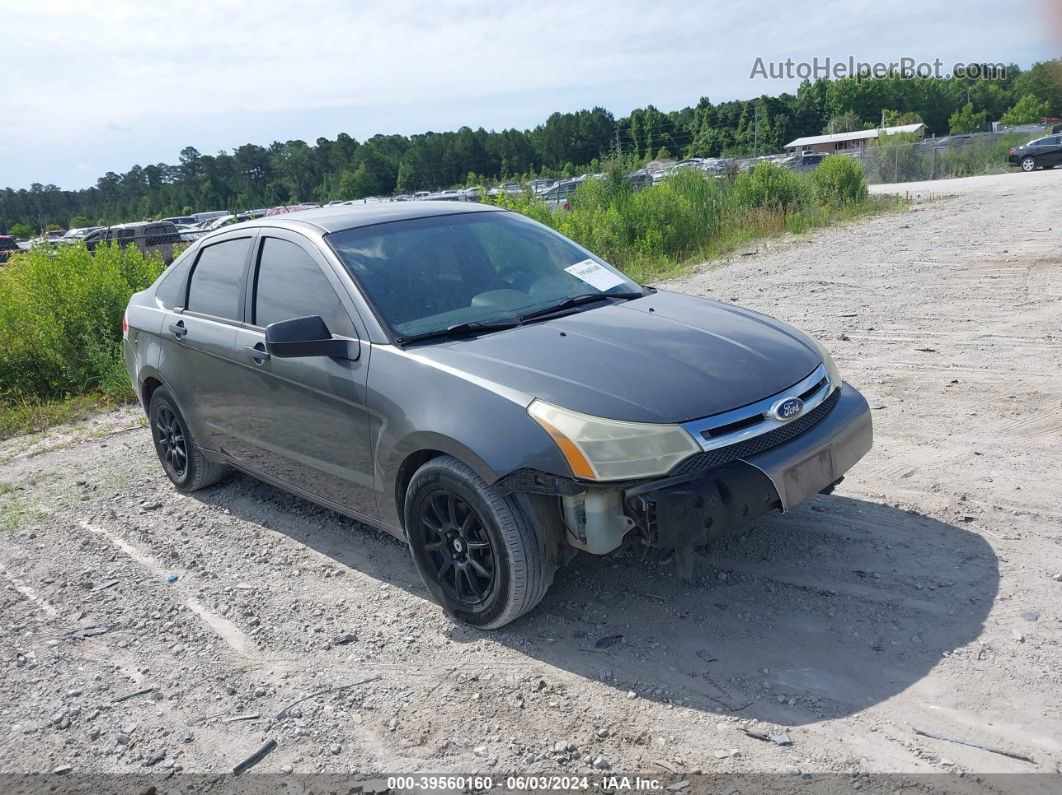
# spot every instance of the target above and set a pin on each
(788, 409)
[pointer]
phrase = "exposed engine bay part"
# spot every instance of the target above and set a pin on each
(697, 512)
(595, 520)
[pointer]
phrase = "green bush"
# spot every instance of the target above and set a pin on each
(839, 180)
(770, 186)
(650, 233)
(22, 231)
(61, 320)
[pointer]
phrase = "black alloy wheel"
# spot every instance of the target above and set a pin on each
(475, 549)
(170, 442)
(182, 460)
(456, 547)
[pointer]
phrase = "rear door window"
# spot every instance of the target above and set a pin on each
(290, 284)
(215, 285)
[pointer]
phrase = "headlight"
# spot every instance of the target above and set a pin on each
(602, 449)
(831, 367)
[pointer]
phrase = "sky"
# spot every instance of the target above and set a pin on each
(91, 87)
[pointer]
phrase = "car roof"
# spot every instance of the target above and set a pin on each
(350, 216)
(134, 224)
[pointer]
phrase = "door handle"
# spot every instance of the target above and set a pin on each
(257, 353)
(177, 329)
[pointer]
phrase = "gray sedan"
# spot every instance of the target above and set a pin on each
(483, 388)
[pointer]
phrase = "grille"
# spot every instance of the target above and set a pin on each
(758, 444)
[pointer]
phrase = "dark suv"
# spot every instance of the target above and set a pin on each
(8, 246)
(482, 387)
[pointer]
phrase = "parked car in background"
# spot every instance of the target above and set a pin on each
(560, 194)
(807, 161)
(289, 208)
(148, 236)
(8, 246)
(217, 223)
(443, 196)
(181, 220)
(50, 238)
(1041, 153)
(480, 386)
(77, 235)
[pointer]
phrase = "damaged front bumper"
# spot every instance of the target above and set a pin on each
(693, 510)
(702, 502)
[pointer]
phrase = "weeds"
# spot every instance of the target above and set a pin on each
(61, 321)
(690, 216)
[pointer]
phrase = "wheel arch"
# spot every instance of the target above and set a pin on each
(147, 389)
(421, 448)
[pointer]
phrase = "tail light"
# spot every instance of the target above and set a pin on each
(125, 324)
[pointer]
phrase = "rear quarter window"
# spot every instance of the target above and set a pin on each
(172, 291)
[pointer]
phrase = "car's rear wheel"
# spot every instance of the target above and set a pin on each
(478, 556)
(181, 459)
(1028, 164)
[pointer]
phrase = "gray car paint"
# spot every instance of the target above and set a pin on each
(664, 357)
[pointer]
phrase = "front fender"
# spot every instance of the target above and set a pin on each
(419, 407)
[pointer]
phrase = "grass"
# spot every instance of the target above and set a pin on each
(16, 513)
(26, 416)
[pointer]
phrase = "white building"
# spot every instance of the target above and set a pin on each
(849, 142)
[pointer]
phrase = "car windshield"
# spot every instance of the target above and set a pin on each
(428, 275)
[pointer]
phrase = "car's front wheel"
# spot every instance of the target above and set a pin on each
(478, 556)
(181, 459)
(1028, 164)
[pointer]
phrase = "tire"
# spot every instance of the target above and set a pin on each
(458, 527)
(1028, 164)
(181, 459)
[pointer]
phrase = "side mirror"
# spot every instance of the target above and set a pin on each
(308, 336)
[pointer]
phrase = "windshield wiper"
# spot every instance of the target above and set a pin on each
(460, 329)
(577, 300)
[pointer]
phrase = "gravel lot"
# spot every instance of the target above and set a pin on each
(926, 593)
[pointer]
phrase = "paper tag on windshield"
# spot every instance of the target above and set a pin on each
(594, 275)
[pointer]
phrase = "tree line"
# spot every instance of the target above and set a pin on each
(566, 144)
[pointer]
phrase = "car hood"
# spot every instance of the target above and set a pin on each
(663, 358)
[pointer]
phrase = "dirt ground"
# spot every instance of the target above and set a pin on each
(926, 593)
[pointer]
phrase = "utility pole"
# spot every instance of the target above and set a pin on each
(756, 144)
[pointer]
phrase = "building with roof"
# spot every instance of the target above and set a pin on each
(848, 142)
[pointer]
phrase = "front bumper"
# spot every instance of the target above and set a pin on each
(691, 511)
